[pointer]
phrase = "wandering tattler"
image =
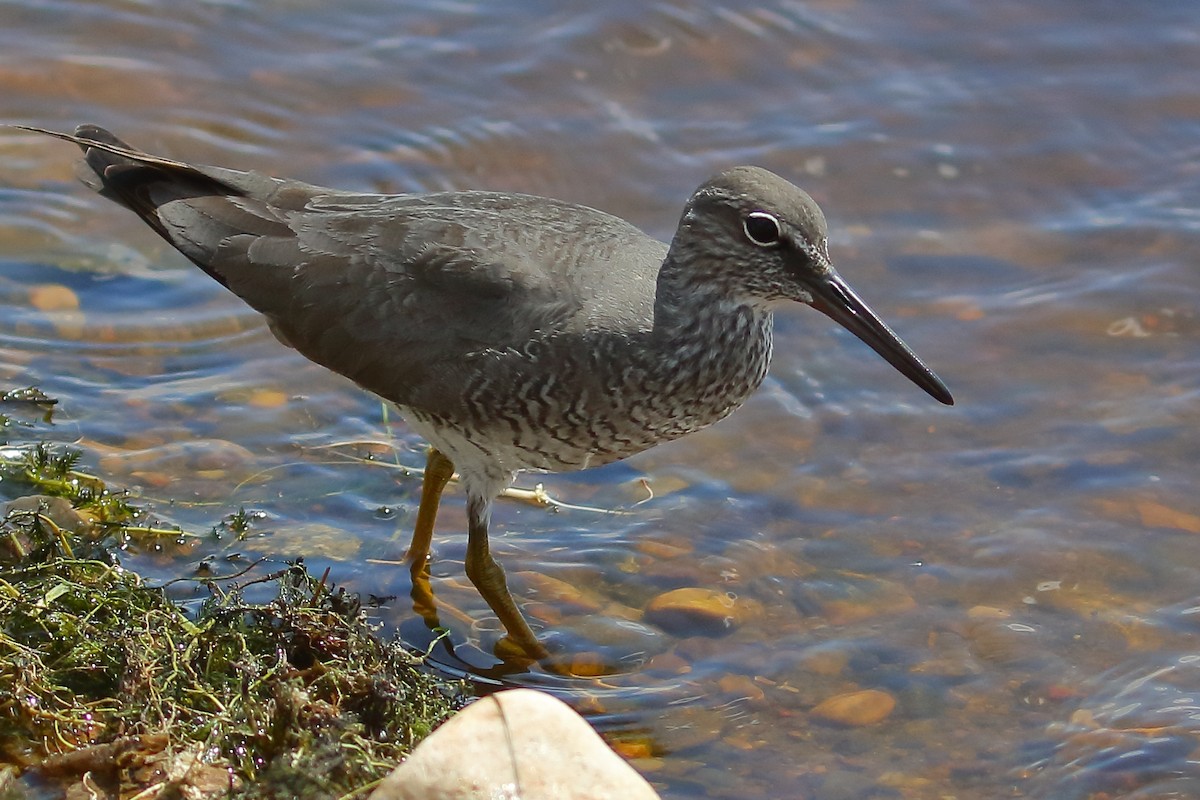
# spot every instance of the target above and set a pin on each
(514, 332)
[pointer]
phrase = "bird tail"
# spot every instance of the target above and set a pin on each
(139, 181)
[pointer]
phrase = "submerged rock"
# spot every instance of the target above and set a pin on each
(694, 610)
(855, 709)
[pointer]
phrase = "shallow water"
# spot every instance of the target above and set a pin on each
(1013, 186)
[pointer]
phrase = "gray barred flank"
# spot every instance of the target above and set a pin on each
(621, 406)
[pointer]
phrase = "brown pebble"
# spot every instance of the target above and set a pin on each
(53, 297)
(694, 610)
(668, 662)
(741, 685)
(1157, 515)
(692, 727)
(565, 595)
(313, 539)
(847, 612)
(662, 550)
(155, 480)
(268, 398)
(591, 665)
(55, 509)
(633, 749)
(1003, 642)
(988, 612)
(825, 662)
(159, 466)
(855, 709)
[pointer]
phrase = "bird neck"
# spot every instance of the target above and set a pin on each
(708, 335)
(691, 300)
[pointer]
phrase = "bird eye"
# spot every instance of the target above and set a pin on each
(762, 228)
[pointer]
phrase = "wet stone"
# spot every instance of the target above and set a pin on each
(663, 550)
(695, 649)
(311, 540)
(741, 687)
(57, 510)
(1004, 642)
(53, 297)
(988, 612)
(692, 727)
(568, 597)
(951, 658)
(856, 709)
(1148, 512)
(844, 598)
(622, 634)
(200, 456)
(670, 572)
(1158, 515)
(668, 663)
(633, 748)
(695, 610)
(589, 665)
(574, 598)
(825, 662)
(762, 560)
(267, 398)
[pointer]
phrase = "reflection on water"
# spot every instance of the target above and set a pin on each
(844, 590)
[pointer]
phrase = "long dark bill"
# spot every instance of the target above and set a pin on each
(833, 297)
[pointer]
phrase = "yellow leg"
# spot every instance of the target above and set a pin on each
(438, 471)
(488, 578)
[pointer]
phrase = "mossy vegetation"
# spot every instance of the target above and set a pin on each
(105, 682)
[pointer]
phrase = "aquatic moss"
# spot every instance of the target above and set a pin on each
(105, 679)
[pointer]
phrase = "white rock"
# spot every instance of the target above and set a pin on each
(515, 745)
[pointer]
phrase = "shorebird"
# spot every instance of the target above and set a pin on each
(513, 332)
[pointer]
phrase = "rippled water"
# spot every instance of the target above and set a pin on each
(1013, 185)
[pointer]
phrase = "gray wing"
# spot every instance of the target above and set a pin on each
(397, 292)
(401, 293)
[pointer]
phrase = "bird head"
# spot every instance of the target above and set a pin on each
(753, 236)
